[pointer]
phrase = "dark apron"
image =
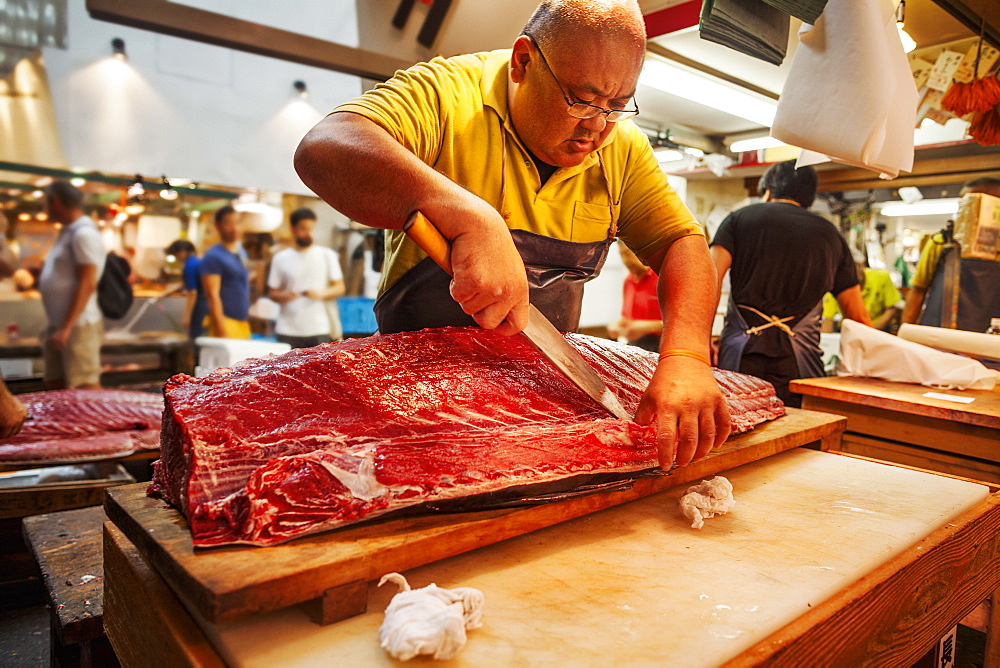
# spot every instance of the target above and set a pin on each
(978, 294)
(805, 343)
(556, 269)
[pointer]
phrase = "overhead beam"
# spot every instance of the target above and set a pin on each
(177, 20)
(933, 171)
(976, 15)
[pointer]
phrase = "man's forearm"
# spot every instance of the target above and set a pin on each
(914, 302)
(687, 289)
(385, 182)
(85, 286)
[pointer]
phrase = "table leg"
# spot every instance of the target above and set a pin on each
(992, 653)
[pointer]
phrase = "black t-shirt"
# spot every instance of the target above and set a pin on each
(784, 260)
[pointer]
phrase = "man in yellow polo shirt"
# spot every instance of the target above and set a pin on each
(979, 283)
(880, 295)
(524, 160)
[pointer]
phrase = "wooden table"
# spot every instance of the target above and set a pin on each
(67, 547)
(827, 559)
(896, 422)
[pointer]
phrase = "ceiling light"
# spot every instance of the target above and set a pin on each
(168, 192)
(908, 43)
(927, 207)
(756, 144)
(667, 155)
(696, 87)
(118, 48)
(137, 189)
(78, 181)
(696, 152)
(300, 86)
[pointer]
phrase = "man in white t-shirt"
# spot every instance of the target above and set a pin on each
(301, 280)
(72, 341)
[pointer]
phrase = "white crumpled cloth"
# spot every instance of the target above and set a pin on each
(707, 499)
(430, 620)
(868, 352)
(849, 95)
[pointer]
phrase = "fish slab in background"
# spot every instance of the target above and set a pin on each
(68, 425)
(323, 437)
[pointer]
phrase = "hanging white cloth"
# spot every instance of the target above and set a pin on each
(849, 95)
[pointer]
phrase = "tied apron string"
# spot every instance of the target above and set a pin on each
(772, 321)
(612, 230)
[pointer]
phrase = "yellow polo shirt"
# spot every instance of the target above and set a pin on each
(452, 113)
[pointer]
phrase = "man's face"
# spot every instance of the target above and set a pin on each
(302, 232)
(229, 228)
(600, 72)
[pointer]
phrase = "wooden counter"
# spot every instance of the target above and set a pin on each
(827, 559)
(896, 422)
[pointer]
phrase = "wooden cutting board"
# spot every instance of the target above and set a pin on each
(227, 583)
(634, 585)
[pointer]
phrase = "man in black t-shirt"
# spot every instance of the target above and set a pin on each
(782, 259)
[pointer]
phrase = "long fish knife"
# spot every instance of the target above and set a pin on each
(539, 331)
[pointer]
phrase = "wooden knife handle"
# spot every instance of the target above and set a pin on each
(430, 239)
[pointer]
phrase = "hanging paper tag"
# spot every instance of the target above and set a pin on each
(941, 75)
(987, 58)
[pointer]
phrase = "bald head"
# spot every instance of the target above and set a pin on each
(560, 21)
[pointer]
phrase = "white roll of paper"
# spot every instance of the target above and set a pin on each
(954, 340)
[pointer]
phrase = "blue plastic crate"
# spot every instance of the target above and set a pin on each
(357, 316)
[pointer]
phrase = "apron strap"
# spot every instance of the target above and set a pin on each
(772, 321)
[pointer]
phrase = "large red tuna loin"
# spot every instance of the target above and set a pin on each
(322, 437)
(67, 425)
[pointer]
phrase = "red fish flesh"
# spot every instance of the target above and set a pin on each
(84, 424)
(323, 437)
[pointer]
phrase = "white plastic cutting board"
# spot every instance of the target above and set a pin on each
(635, 585)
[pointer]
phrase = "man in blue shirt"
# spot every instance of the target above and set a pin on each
(225, 280)
(195, 307)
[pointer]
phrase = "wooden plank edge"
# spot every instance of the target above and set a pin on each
(894, 404)
(896, 613)
(993, 487)
(144, 621)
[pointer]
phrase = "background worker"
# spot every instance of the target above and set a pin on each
(195, 306)
(71, 342)
(302, 279)
(978, 285)
(524, 160)
(225, 280)
(782, 259)
(640, 324)
(879, 294)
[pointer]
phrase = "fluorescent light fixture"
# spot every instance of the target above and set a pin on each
(927, 207)
(667, 155)
(756, 144)
(694, 86)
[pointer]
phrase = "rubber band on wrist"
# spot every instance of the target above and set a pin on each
(680, 352)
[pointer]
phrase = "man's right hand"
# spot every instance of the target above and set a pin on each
(489, 280)
(12, 413)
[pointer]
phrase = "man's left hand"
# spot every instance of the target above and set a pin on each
(686, 406)
(59, 338)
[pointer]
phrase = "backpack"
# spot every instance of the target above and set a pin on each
(114, 292)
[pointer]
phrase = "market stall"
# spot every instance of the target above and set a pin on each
(952, 431)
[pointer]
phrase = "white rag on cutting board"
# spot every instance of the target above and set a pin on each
(865, 351)
(849, 95)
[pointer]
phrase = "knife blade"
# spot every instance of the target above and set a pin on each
(548, 340)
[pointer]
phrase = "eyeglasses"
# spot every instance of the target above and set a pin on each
(582, 109)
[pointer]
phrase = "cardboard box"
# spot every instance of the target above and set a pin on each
(977, 226)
